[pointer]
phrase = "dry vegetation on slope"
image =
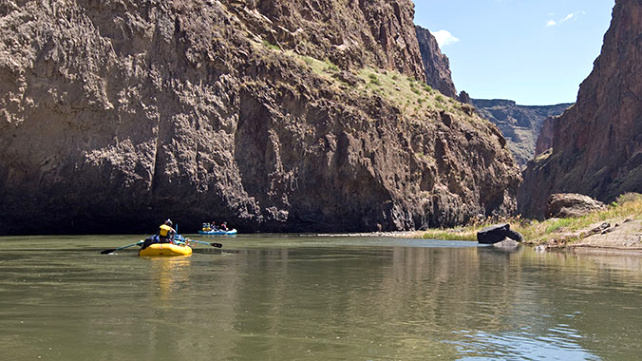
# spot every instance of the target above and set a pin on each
(619, 227)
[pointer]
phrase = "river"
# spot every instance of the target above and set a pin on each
(311, 297)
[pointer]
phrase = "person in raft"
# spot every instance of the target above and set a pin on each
(166, 233)
(214, 226)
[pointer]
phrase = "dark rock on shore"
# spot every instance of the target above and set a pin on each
(497, 233)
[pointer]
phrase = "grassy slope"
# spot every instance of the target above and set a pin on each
(414, 98)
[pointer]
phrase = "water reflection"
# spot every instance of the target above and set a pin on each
(170, 273)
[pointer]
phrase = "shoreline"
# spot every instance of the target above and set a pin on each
(616, 230)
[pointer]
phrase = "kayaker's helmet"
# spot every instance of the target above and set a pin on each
(168, 222)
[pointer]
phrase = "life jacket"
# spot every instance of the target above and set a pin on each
(164, 230)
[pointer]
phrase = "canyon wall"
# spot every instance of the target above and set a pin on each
(597, 143)
(520, 124)
(270, 115)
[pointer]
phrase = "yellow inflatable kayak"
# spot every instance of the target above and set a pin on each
(165, 250)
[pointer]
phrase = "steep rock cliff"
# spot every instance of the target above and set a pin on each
(545, 138)
(350, 34)
(436, 64)
(597, 143)
(274, 116)
(520, 124)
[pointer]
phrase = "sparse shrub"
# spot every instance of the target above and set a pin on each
(331, 66)
(468, 109)
(374, 79)
(270, 46)
(628, 197)
(558, 224)
(428, 88)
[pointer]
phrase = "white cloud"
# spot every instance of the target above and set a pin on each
(572, 16)
(568, 17)
(444, 38)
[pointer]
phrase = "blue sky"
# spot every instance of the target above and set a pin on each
(536, 52)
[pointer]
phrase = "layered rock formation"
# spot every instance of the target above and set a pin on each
(436, 64)
(520, 124)
(115, 115)
(597, 146)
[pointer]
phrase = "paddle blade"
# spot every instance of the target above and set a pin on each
(217, 245)
(108, 251)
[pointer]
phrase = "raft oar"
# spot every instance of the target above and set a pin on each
(108, 251)
(213, 244)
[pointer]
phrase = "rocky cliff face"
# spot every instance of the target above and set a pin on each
(436, 64)
(597, 146)
(274, 116)
(350, 34)
(520, 124)
(545, 138)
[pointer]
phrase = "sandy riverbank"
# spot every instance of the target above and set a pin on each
(613, 235)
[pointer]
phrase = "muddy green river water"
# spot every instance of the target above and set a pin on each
(307, 297)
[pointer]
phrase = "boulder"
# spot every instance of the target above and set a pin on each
(565, 205)
(497, 233)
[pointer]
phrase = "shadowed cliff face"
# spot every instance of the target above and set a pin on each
(597, 146)
(116, 115)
